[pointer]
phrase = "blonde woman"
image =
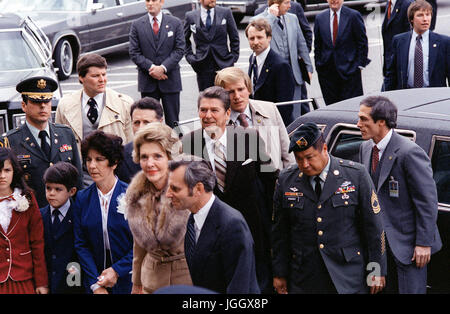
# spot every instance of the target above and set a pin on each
(158, 229)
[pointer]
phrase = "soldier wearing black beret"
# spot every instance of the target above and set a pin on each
(327, 235)
(39, 143)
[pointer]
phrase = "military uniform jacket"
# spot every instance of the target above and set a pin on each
(33, 160)
(344, 225)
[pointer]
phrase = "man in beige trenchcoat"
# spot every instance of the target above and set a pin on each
(95, 106)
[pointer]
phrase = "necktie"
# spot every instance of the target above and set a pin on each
(155, 25)
(418, 63)
(190, 239)
(335, 28)
(375, 158)
(208, 20)
(389, 9)
(92, 113)
(254, 71)
(56, 222)
(7, 198)
(243, 120)
(318, 187)
(44, 145)
(220, 165)
(280, 23)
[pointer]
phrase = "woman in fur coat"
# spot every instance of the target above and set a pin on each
(158, 229)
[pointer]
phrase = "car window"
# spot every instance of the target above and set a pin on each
(130, 1)
(440, 161)
(15, 53)
(107, 3)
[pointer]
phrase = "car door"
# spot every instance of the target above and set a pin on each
(106, 24)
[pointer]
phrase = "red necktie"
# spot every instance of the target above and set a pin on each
(155, 26)
(8, 198)
(389, 10)
(335, 28)
(375, 158)
(243, 120)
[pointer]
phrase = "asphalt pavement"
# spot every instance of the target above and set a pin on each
(122, 73)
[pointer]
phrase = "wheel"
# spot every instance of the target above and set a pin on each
(64, 59)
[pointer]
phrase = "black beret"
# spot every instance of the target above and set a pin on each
(304, 137)
(38, 88)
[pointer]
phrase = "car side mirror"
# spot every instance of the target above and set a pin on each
(96, 6)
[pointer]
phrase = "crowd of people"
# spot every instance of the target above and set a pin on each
(110, 199)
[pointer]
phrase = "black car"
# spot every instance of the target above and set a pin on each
(423, 117)
(25, 52)
(76, 27)
(318, 5)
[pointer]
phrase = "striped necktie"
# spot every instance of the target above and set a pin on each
(220, 165)
(189, 239)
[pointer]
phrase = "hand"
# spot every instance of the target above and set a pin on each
(136, 289)
(101, 290)
(157, 72)
(108, 278)
(422, 255)
(280, 285)
(41, 290)
(378, 283)
(274, 9)
(310, 76)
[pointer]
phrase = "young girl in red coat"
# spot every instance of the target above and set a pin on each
(22, 260)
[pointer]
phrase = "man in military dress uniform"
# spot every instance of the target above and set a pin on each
(38, 143)
(327, 235)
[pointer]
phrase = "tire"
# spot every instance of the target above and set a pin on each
(64, 59)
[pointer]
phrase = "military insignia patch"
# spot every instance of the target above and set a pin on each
(302, 142)
(375, 204)
(41, 84)
(65, 148)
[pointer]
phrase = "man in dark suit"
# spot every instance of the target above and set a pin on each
(420, 58)
(156, 47)
(297, 9)
(38, 143)
(143, 112)
(211, 27)
(218, 243)
(341, 49)
(245, 175)
(395, 22)
(403, 178)
(326, 223)
(271, 75)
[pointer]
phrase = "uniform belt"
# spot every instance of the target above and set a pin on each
(166, 259)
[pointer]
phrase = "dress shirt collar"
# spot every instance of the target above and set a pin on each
(210, 141)
(261, 58)
(338, 12)
(108, 195)
(234, 116)
(98, 99)
(323, 175)
(35, 132)
(204, 12)
(201, 215)
(425, 36)
(158, 18)
(62, 210)
(383, 143)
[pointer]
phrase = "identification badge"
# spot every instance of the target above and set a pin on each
(393, 188)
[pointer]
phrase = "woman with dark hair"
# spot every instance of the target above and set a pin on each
(103, 240)
(22, 266)
(158, 229)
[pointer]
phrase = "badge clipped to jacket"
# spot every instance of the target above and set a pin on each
(393, 188)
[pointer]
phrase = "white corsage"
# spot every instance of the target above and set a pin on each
(122, 205)
(22, 203)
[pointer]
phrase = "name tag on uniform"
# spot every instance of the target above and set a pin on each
(393, 188)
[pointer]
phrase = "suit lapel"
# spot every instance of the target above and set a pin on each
(394, 11)
(343, 20)
(74, 115)
(405, 59)
(388, 160)
(215, 24)
(66, 224)
(303, 180)
(433, 43)
(163, 32)
(30, 144)
(54, 139)
(333, 181)
(15, 217)
(366, 152)
(265, 70)
(207, 238)
(325, 28)
(232, 162)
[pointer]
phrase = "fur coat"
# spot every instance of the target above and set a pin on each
(156, 226)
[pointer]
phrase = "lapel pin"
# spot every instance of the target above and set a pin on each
(390, 157)
(167, 26)
(267, 70)
(27, 139)
(258, 120)
(336, 172)
(32, 144)
(56, 141)
(116, 116)
(56, 134)
(300, 174)
(434, 45)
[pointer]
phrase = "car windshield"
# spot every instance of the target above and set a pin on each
(16, 53)
(42, 5)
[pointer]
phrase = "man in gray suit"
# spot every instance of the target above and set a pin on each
(403, 178)
(156, 47)
(211, 27)
(288, 42)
